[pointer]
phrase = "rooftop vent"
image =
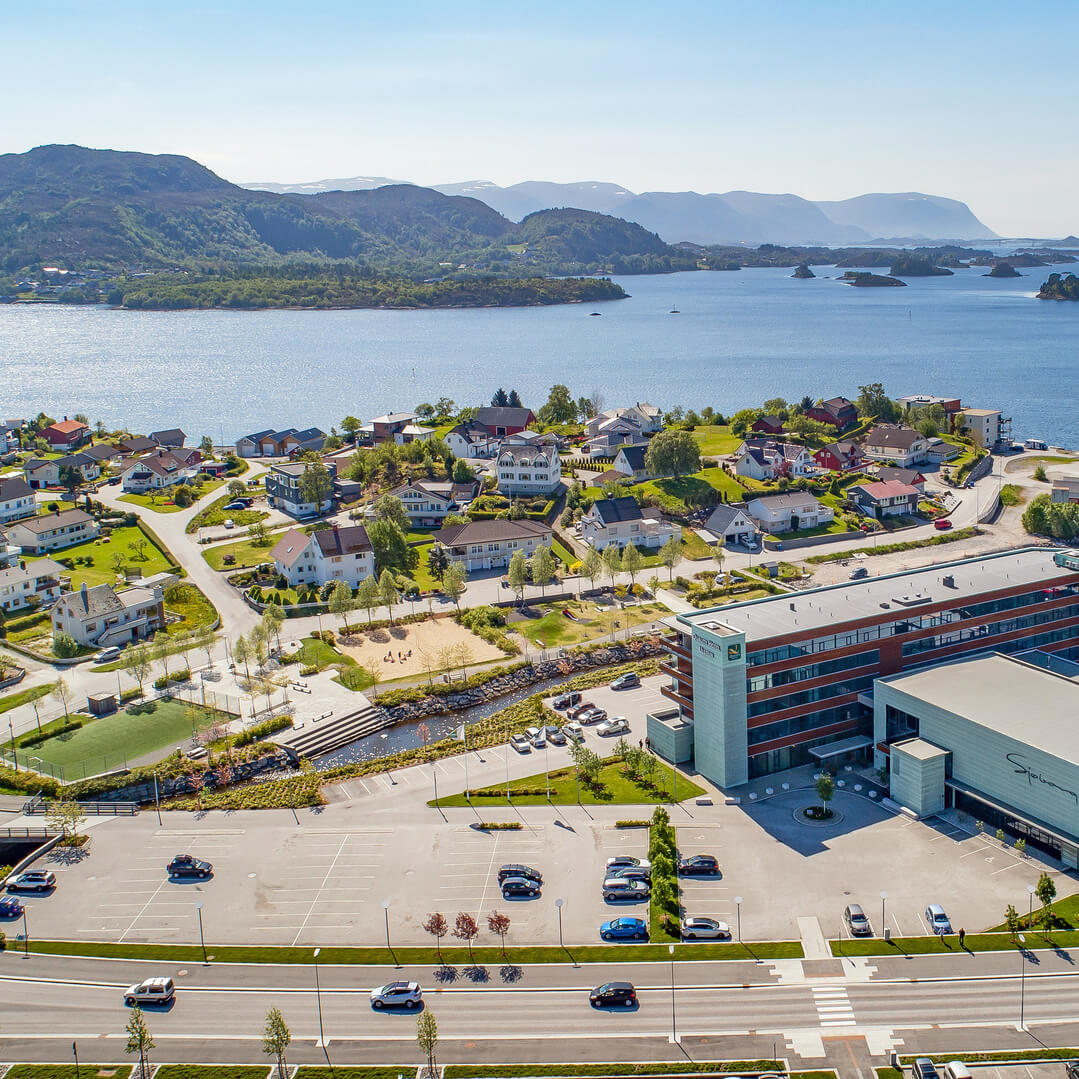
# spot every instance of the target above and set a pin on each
(948, 581)
(912, 599)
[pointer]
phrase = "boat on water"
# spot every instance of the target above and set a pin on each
(674, 311)
(594, 314)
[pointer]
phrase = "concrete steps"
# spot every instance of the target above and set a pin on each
(322, 736)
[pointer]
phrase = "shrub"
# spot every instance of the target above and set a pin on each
(183, 497)
(64, 645)
(310, 669)
(262, 730)
(130, 695)
(180, 676)
(499, 826)
(161, 683)
(35, 739)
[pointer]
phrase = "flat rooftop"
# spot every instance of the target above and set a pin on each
(1004, 694)
(836, 605)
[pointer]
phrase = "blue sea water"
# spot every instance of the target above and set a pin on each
(738, 339)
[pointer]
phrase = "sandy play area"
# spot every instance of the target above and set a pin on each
(417, 648)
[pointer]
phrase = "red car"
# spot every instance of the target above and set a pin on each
(942, 525)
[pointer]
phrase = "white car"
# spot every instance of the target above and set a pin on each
(535, 736)
(396, 995)
(574, 731)
(520, 743)
(229, 523)
(624, 861)
(107, 655)
(614, 725)
(615, 888)
(151, 991)
(705, 929)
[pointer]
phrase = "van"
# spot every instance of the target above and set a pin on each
(956, 1069)
(107, 655)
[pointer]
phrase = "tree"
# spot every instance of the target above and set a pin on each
(672, 453)
(453, 583)
(612, 561)
(543, 568)
(427, 1039)
(60, 693)
(390, 547)
(390, 508)
(775, 406)
(340, 602)
(438, 561)
(64, 645)
(276, 1039)
(718, 553)
(825, 789)
(632, 562)
(873, 401)
(743, 420)
(1039, 474)
(70, 478)
(437, 926)
(65, 814)
(315, 482)
(1011, 920)
(139, 1040)
(499, 398)
(351, 424)
(560, 406)
(465, 929)
(258, 535)
(137, 662)
(462, 471)
(235, 488)
(241, 654)
(653, 585)
(500, 924)
(517, 574)
(803, 427)
(118, 562)
(273, 618)
(388, 592)
(515, 400)
(367, 596)
(1046, 891)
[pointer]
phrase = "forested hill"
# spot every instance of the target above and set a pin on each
(79, 208)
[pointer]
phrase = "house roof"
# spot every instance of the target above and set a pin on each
(67, 427)
(435, 488)
(903, 475)
(886, 489)
(837, 404)
(633, 456)
(844, 448)
(613, 510)
(138, 443)
(102, 451)
(893, 437)
(308, 434)
(789, 500)
(82, 603)
(13, 487)
(502, 416)
(172, 435)
(290, 546)
(396, 417)
(724, 515)
(258, 436)
(347, 540)
(492, 531)
(36, 463)
(771, 421)
(47, 522)
(33, 571)
(524, 454)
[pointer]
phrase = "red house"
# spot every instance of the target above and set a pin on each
(840, 457)
(66, 435)
(769, 425)
(839, 412)
(501, 421)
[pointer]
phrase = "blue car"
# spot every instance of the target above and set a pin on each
(624, 929)
(10, 907)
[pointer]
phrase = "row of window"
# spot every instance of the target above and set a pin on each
(989, 629)
(809, 696)
(814, 670)
(784, 728)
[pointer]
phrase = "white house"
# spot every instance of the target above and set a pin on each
(16, 499)
(491, 544)
(101, 617)
(52, 532)
(885, 498)
(622, 521)
(789, 512)
(331, 554)
(642, 417)
(528, 470)
(30, 584)
(48, 473)
(427, 502)
(764, 459)
(629, 460)
(733, 525)
(987, 426)
(894, 444)
(471, 440)
(156, 472)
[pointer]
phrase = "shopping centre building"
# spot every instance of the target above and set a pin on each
(766, 685)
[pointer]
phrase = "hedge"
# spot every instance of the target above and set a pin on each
(261, 730)
(35, 739)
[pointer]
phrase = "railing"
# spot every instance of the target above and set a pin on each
(39, 806)
(26, 833)
(684, 702)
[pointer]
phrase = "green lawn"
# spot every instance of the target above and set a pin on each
(105, 743)
(1011, 494)
(715, 441)
(834, 528)
(316, 653)
(563, 553)
(700, 489)
(24, 696)
(694, 547)
(215, 514)
(68, 1071)
(613, 787)
(162, 500)
(191, 604)
(423, 577)
(1065, 910)
(595, 620)
(949, 945)
(102, 551)
(246, 552)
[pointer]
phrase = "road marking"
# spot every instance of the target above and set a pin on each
(141, 912)
(329, 871)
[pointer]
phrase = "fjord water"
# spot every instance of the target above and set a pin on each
(739, 338)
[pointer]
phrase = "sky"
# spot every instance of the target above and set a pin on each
(826, 100)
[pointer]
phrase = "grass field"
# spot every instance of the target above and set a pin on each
(161, 503)
(695, 547)
(246, 551)
(1011, 494)
(24, 696)
(104, 549)
(425, 580)
(613, 787)
(191, 604)
(215, 514)
(716, 441)
(105, 743)
(554, 628)
(949, 945)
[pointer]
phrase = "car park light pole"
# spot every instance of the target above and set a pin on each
(321, 1032)
(883, 920)
(558, 905)
(389, 946)
(25, 935)
(202, 937)
(1030, 906)
(674, 1025)
(738, 908)
(1022, 981)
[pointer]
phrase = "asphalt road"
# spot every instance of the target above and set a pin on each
(219, 1010)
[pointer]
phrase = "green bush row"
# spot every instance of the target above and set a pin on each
(173, 676)
(37, 737)
(262, 730)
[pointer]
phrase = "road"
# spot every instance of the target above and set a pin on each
(736, 1009)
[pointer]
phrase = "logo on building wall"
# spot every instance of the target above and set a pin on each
(1032, 777)
(734, 651)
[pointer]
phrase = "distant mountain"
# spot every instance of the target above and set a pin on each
(734, 217)
(351, 183)
(910, 215)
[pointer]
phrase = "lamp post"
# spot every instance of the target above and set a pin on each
(14, 755)
(558, 906)
(547, 764)
(389, 946)
(321, 1032)
(75, 1054)
(674, 1025)
(1022, 982)
(202, 937)
(883, 922)
(738, 908)
(1030, 906)
(25, 935)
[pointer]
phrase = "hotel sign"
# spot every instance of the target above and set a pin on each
(1023, 769)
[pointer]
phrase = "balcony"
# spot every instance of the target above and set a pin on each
(682, 676)
(683, 702)
(672, 644)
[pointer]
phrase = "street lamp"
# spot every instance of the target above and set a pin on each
(25, 935)
(883, 922)
(738, 908)
(1030, 906)
(674, 1026)
(321, 1032)
(389, 946)
(1022, 981)
(558, 905)
(202, 938)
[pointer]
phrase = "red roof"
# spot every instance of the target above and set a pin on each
(68, 427)
(888, 489)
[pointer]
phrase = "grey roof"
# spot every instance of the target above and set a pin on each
(893, 437)
(136, 443)
(337, 541)
(35, 570)
(634, 456)
(501, 416)
(172, 436)
(101, 599)
(14, 487)
(308, 434)
(722, 517)
(258, 436)
(491, 531)
(834, 605)
(47, 522)
(525, 454)
(290, 546)
(101, 451)
(903, 475)
(791, 499)
(613, 510)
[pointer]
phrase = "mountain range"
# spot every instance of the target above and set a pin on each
(734, 217)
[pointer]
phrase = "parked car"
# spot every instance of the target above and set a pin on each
(618, 888)
(620, 861)
(574, 731)
(859, 573)
(632, 872)
(512, 886)
(622, 993)
(698, 865)
(236, 504)
(520, 743)
(107, 655)
(705, 929)
(937, 920)
(10, 907)
(1072, 1068)
(856, 921)
(396, 995)
(152, 991)
(33, 880)
(535, 736)
(956, 1069)
(614, 725)
(593, 715)
(187, 865)
(554, 735)
(629, 680)
(579, 709)
(624, 929)
(565, 700)
(942, 524)
(923, 1068)
(514, 870)
(228, 523)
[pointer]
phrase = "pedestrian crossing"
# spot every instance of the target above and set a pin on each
(834, 1008)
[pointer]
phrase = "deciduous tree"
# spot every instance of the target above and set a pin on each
(465, 929)
(341, 602)
(437, 926)
(543, 568)
(453, 583)
(427, 1039)
(276, 1039)
(500, 924)
(139, 1040)
(673, 453)
(517, 574)
(632, 562)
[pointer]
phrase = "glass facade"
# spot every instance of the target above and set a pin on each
(814, 670)
(809, 696)
(784, 728)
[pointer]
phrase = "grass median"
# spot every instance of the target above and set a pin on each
(651, 1067)
(949, 944)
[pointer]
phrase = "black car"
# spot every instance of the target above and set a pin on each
(187, 865)
(621, 993)
(525, 871)
(512, 886)
(698, 865)
(566, 700)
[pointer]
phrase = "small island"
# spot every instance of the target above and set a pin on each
(917, 266)
(871, 280)
(1060, 288)
(803, 273)
(1003, 269)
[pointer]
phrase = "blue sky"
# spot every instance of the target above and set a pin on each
(826, 100)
